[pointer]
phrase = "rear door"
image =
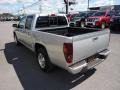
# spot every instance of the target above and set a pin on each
(89, 44)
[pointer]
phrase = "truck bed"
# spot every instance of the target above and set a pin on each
(86, 41)
(70, 31)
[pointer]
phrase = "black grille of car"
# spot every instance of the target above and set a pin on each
(90, 20)
(89, 24)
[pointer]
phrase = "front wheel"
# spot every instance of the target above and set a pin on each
(43, 60)
(103, 25)
(112, 28)
(82, 24)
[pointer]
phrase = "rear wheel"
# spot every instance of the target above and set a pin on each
(43, 60)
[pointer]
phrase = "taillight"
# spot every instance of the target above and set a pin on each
(68, 52)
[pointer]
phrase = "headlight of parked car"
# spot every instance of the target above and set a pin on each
(98, 19)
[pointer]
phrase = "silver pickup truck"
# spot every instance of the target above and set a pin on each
(55, 43)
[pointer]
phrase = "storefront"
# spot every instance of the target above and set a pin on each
(112, 7)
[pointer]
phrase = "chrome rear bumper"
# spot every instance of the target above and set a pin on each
(85, 65)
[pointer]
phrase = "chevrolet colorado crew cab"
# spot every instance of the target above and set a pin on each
(100, 19)
(55, 43)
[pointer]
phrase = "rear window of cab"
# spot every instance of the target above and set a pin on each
(47, 21)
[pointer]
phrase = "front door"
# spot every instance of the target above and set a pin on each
(21, 29)
(28, 29)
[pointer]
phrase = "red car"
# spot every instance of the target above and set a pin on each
(100, 19)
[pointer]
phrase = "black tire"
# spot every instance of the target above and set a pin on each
(103, 25)
(16, 40)
(112, 28)
(43, 56)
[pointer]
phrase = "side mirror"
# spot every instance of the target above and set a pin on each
(15, 25)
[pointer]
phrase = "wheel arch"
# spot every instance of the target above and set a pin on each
(14, 34)
(38, 45)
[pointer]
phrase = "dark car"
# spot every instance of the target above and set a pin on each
(79, 20)
(115, 21)
(71, 16)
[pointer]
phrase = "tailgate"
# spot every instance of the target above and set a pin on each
(89, 44)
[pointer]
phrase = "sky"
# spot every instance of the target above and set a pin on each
(49, 6)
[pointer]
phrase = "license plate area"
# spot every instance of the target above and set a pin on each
(90, 23)
(91, 59)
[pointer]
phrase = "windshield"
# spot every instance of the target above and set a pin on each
(91, 13)
(47, 21)
(82, 14)
(79, 16)
(99, 14)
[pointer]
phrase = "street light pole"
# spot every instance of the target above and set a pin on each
(67, 6)
(40, 7)
(88, 4)
(24, 9)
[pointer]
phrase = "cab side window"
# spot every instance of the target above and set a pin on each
(22, 23)
(28, 23)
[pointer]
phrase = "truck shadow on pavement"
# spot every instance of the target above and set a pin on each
(32, 78)
(115, 31)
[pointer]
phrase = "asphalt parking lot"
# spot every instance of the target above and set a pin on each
(20, 71)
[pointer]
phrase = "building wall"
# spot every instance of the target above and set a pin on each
(110, 7)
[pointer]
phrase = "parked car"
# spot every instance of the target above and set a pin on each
(79, 19)
(71, 16)
(115, 21)
(16, 18)
(2, 18)
(100, 19)
(73, 49)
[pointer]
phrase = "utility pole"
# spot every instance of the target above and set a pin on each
(40, 6)
(88, 4)
(66, 5)
(67, 9)
(23, 9)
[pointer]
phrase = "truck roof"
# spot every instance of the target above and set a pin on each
(52, 14)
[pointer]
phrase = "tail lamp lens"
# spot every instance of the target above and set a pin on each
(68, 52)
